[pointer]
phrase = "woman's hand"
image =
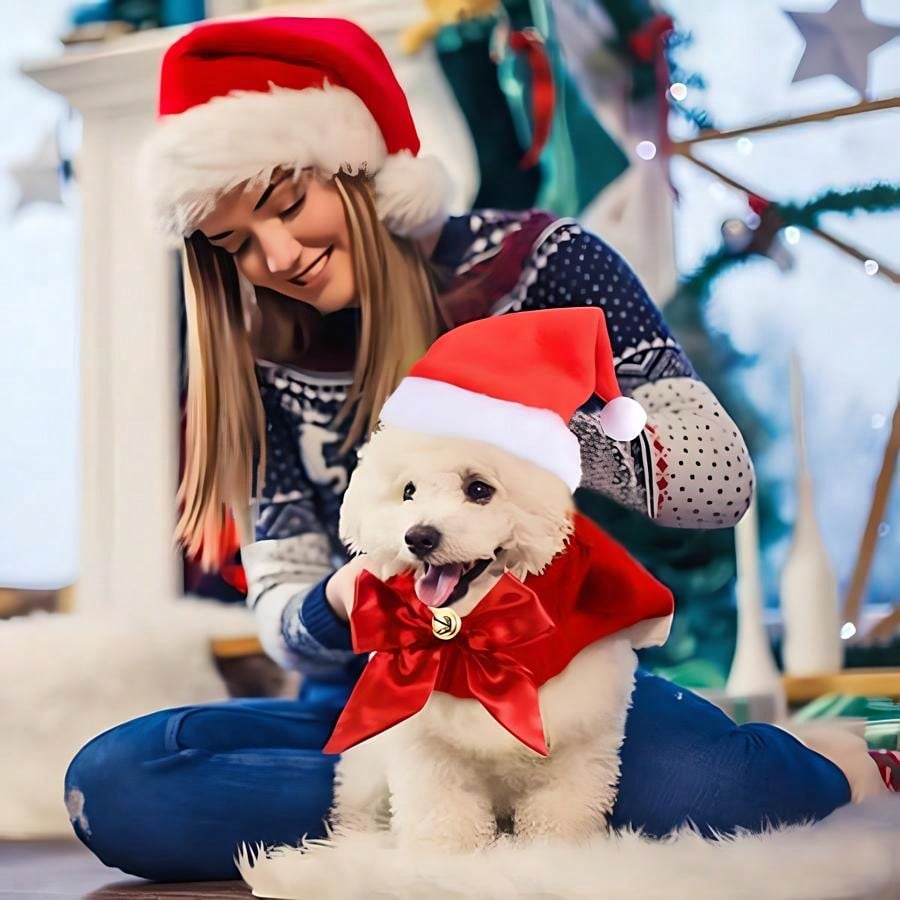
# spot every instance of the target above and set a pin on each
(341, 587)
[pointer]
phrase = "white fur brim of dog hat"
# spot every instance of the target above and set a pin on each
(515, 381)
(238, 100)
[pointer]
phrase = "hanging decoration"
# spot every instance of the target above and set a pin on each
(839, 42)
(44, 176)
(550, 116)
(528, 120)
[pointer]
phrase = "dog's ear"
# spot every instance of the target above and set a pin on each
(361, 494)
(538, 538)
(349, 523)
(543, 519)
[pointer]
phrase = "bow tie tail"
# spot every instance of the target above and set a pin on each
(505, 689)
(392, 687)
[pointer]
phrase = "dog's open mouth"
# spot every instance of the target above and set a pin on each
(438, 585)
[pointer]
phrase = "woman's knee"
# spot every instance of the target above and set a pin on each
(775, 779)
(107, 776)
(685, 762)
(171, 795)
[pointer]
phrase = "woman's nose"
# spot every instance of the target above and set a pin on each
(281, 249)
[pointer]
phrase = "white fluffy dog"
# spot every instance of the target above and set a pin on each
(460, 513)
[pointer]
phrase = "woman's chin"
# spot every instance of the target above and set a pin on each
(329, 300)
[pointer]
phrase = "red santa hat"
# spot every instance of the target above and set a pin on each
(240, 99)
(515, 381)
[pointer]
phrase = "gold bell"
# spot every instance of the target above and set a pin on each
(445, 623)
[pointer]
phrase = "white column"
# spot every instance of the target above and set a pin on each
(128, 350)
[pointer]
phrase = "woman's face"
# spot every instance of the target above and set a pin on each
(290, 237)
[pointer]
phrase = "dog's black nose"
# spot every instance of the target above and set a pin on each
(422, 540)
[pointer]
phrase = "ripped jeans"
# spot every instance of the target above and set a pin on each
(170, 796)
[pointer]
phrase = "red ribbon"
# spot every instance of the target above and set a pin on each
(758, 204)
(410, 661)
(530, 42)
(648, 42)
(648, 45)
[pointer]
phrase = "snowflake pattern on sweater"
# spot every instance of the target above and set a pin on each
(689, 467)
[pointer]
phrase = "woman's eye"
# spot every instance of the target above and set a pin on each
(409, 491)
(293, 209)
(479, 492)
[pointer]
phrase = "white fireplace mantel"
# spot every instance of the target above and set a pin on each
(128, 306)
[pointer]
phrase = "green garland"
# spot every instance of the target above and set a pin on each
(873, 198)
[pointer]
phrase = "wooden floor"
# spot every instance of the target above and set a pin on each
(41, 870)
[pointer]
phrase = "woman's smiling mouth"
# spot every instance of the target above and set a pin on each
(314, 269)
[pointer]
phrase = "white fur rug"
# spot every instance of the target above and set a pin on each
(855, 853)
(64, 678)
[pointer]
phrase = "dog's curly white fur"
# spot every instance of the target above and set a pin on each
(448, 775)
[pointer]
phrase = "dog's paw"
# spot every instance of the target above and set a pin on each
(557, 814)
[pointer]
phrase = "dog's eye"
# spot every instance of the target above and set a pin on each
(479, 492)
(409, 490)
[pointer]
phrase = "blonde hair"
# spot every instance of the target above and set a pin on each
(225, 428)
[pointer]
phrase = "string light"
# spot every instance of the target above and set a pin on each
(646, 149)
(871, 267)
(744, 146)
(884, 529)
(678, 91)
(848, 629)
(792, 234)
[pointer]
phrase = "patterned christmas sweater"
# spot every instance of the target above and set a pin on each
(689, 468)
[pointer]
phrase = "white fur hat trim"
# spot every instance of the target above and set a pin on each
(194, 157)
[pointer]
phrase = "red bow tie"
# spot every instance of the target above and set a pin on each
(416, 644)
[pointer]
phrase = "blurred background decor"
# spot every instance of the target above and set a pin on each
(734, 153)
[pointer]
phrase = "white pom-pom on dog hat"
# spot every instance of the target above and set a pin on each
(238, 100)
(515, 381)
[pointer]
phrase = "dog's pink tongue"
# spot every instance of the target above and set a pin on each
(435, 585)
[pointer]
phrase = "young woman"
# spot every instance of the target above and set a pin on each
(320, 264)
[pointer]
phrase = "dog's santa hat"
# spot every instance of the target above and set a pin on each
(240, 99)
(515, 381)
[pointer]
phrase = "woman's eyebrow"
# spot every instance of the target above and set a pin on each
(259, 203)
(268, 191)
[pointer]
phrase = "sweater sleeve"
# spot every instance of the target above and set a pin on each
(290, 561)
(689, 467)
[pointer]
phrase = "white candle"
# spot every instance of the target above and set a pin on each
(753, 669)
(809, 591)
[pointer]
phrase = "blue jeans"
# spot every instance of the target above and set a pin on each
(169, 796)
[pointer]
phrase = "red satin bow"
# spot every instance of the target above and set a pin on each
(410, 661)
